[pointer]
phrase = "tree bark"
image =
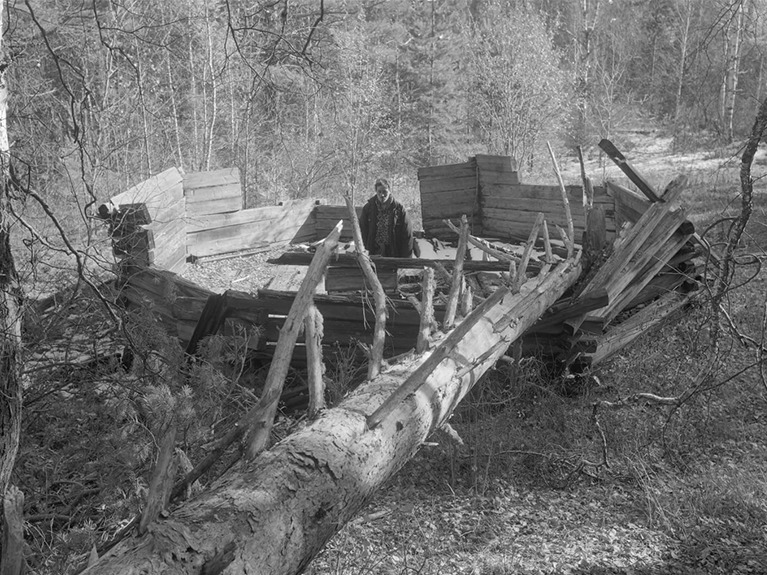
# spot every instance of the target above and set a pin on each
(276, 513)
(10, 335)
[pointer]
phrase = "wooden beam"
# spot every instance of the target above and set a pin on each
(620, 160)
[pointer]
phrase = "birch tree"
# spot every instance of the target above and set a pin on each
(10, 341)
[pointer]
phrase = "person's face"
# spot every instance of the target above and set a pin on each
(382, 194)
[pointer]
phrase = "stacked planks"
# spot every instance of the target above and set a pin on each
(326, 218)
(147, 225)
(488, 191)
(250, 230)
(176, 303)
(448, 192)
(214, 192)
(510, 211)
(645, 278)
(347, 319)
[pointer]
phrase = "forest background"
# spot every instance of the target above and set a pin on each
(312, 99)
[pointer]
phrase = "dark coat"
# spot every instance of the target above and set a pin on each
(400, 243)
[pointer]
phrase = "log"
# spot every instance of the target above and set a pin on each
(276, 513)
(12, 559)
(620, 160)
(455, 284)
(637, 325)
(313, 327)
(381, 263)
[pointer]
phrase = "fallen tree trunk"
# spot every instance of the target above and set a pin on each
(274, 514)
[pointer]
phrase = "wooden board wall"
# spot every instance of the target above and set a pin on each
(510, 210)
(217, 234)
(629, 205)
(448, 192)
(147, 222)
(326, 218)
(487, 189)
(214, 192)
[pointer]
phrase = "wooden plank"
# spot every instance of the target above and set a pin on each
(491, 162)
(248, 235)
(661, 284)
(188, 308)
(618, 337)
(531, 206)
(165, 285)
(640, 279)
(448, 170)
(330, 305)
(448, 210)
(493, 177)
(525, 191)
(437, 222)
(221, 177)
(163, 189)
(660, 220)
(519, 216)
(352, 279)
(629, 206)
(346, 331)
(219, 206)
(334, 213)
(620, 160)
(213, 193)
(467, 184)
(298, 210)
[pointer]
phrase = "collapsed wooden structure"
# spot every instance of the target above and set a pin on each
(273, 514)
(173, 218)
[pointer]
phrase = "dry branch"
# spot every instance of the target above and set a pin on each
(455, 285)
(426, 311)
(259, 420)
(375, 357)
(313, 328)
(570, 241)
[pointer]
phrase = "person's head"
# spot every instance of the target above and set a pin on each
(383, 190)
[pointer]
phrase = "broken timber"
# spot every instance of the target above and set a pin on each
(274, 514)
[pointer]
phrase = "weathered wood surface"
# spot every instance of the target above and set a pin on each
(620, 160)
(381, 263)
(326, 217)
(147, 222)
(261, 417)
(651, 316)
(213, 192)
(449, 192)
(638, 248)
(246, 229)
(629, 205)
(275, 514)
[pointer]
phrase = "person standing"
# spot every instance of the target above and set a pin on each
(385, 225)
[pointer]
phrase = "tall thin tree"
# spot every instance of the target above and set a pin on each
(10, 319)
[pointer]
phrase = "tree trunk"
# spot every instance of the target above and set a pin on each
(10, 342)
(683, 50)
(733, 43)
(276, 513)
